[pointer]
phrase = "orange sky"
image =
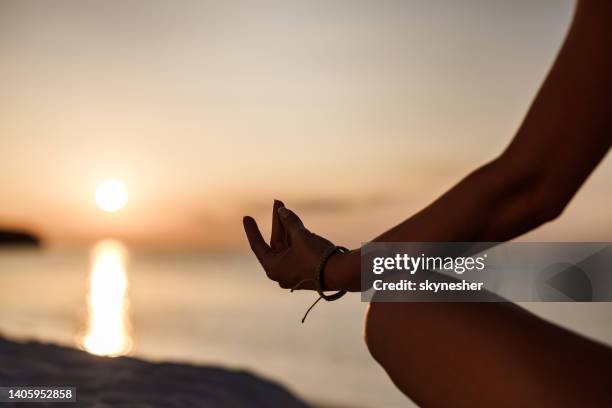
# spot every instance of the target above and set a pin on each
(355, 113)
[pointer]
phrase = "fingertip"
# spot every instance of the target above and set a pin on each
(253, 234)
(247, 220)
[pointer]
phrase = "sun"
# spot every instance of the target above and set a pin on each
(111, 195)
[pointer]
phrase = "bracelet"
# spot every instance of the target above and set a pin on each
(319, 274)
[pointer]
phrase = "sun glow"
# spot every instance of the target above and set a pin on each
(108, 325)
(111, 195)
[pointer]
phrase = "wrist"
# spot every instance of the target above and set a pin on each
(342, 272)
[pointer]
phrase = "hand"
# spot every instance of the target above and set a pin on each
(294, 252)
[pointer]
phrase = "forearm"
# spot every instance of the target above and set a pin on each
(566, 133)
(494, 203)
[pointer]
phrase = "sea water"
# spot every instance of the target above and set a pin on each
(194, 307)
(212, 308)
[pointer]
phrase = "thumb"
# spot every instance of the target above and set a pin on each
(290, 220)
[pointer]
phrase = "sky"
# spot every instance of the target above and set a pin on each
(355, 113)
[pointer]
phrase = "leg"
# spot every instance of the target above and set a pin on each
(485, 354)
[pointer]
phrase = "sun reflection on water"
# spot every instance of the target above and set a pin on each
(107, 332)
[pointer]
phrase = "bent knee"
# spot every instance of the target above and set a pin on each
(376, 329)
(387, 324)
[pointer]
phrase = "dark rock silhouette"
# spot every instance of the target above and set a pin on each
(130, 382)
(18, 238)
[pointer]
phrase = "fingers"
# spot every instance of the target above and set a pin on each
(290, 220)
(257, 242)
(277, 240)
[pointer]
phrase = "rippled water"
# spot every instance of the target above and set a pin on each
(108, 331)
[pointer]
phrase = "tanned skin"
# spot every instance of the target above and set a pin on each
(488, 354)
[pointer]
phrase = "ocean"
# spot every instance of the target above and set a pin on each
(201, 308)
(212, 309)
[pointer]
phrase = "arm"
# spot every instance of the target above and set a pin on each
(489, 353)
(567, 132)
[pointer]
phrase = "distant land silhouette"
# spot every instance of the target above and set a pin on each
(13, 237)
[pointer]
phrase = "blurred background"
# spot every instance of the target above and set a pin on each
(134, 135)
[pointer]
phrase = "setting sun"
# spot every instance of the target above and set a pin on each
(111, 195)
